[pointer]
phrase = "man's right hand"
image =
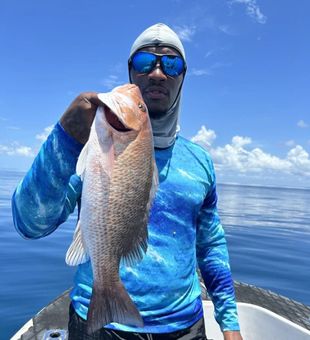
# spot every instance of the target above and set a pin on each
(79, 116)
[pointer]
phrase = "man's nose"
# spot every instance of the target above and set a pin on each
(157, 73)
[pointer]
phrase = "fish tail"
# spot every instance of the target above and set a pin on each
(111, 304)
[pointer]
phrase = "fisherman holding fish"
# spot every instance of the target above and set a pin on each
(147, 206)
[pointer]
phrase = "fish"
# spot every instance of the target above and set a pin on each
(120, 179)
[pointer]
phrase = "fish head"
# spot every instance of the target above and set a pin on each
(124, 109)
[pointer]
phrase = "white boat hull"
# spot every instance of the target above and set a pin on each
(256, 323)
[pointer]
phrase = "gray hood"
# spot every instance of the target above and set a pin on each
(166, 128)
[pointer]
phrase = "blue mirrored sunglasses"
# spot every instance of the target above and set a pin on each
(145, 62)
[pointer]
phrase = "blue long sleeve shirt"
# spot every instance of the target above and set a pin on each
(184, 232)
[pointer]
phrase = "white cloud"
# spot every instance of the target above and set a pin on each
(24, 151)
(226, 29)
(240, 157)
(16, 149)
(111, 81)
(238, 142)
(43, 135)
(207, 71)
(199, 72)
(290, 143)
(302, 124)
(209, 53)
(252, 10)
(204, 137)
(4, 149)
(185, 32)
(300, 160)
(118, 68)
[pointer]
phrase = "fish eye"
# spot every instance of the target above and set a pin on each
(142, 107)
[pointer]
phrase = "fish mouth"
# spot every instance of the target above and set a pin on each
(114, 121)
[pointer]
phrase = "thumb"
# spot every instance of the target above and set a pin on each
(92, 98)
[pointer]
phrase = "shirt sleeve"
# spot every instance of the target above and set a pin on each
(213, 261)
(49, 191)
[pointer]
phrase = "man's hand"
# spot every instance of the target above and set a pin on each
(79, 116)
(232, 335)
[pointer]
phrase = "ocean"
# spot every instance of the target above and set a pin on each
(267, 231)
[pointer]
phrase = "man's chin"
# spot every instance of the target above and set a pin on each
(156, 110)
(157, 114)
(155, 105)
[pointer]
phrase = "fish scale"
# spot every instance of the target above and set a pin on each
(131, 217)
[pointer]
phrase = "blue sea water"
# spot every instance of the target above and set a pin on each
(267, 230)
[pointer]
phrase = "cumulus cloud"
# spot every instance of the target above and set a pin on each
(204, 137)
(239, 156)
(300, 160)
(252, 10)
(185, 32)
(24, 151)
(16, 149)
(302, 124)
(43, 135)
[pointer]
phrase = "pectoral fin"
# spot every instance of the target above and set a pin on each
(81, 163)
(76, 253)
(155, 183)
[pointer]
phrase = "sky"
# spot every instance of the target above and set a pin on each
(245, 97)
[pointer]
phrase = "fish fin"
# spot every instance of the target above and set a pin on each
(81, 163)
(155, 183)
(137, 250)
(111, 303)
(76, 253)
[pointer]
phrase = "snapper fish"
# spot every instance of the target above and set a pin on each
(119, 176)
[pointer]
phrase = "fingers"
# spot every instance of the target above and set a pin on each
(92, 97)
(79, 116)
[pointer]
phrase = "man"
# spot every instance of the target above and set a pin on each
(184, 227)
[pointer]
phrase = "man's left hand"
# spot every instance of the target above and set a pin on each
(232, 335)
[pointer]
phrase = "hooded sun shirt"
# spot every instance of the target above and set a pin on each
(165, 128)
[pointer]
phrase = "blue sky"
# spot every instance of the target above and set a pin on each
(245, 98)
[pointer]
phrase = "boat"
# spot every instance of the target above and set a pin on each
(263, 315)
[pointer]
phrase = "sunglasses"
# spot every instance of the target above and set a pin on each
(145, 62)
